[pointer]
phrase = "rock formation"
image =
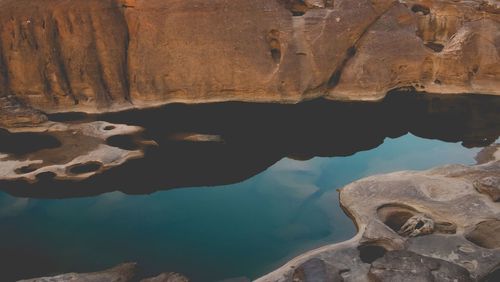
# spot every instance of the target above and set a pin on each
(125, 272)
(108, 55)
(68, 151)
(416, 226)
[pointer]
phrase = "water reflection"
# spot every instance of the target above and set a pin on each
(244, 229)
(243, 140)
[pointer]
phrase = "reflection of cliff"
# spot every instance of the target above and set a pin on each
(105, 55)
(215, 144)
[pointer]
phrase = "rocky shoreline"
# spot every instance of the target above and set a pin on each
(437, 225)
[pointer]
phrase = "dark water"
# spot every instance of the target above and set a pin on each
(273, 186)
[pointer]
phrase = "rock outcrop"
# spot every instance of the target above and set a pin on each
(108, 55)
(416, 226)
(68, 151)
(125, 272)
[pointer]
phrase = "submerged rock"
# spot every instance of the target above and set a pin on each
(107, 55)
(463, 245)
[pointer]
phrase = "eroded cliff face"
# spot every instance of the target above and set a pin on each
(108, 55)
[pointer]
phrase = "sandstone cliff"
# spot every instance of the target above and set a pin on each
(108, 55)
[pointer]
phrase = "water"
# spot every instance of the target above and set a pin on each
(243, 229)
(271, 197)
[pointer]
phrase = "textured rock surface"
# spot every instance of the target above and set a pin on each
(107, 55)
(125, 272)
(463, 245)
(67, 151)
(121, 273)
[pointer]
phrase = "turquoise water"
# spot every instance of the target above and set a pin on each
(209, 234)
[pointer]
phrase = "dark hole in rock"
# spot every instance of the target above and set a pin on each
(25, 143)
(351, 52)
(419, 225)
(125, 142)
(486, 234)
(276, 54)
(85, 168)
(436, 47)
(395, 217)
(275, 45)
(437, 81)
(493, 276)
(335, 78)
(45, 176)
(369, 253)
(26, 169)
(297, 7)
(420, 9)
(109, 127)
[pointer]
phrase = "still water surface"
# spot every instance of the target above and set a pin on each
(209, 234)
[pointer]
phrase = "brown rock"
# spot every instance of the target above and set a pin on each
(100, 56)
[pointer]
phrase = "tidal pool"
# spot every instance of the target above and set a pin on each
(209, 234)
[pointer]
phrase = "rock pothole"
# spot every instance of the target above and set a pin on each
(408, 222)
(85, 168)
(420, 9)
(395, 216)
(370, 253)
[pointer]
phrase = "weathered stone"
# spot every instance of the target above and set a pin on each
(167, 277)
(100, 56)
(396, 266)
(490, 186)
(121, 273)
(125, 272)
(76, 151)
(316, 270)
(486, 234)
